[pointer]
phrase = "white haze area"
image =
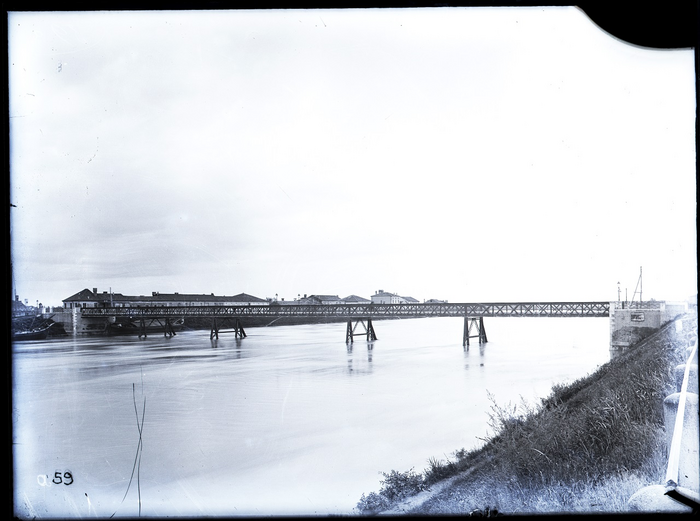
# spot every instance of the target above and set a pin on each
(467, 154)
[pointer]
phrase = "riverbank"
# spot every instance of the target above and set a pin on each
(586, 448)
(34, 327)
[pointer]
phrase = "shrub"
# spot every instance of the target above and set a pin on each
(399, 485)
(372, 503)
(395, 487)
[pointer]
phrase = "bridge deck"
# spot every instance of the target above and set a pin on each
(357, 311)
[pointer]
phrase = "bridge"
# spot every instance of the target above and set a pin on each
(361, 314)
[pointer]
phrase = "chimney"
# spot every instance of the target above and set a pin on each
(94, 290)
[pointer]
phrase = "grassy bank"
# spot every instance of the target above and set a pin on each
(587, 447)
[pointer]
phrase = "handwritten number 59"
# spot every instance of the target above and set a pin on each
(58, 477)
(67, 478)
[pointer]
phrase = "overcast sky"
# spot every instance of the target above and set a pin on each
(467, 154)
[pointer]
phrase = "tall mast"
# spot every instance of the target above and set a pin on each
(639, 285)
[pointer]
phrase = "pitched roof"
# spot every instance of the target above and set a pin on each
(88, 296)
(325, 297)
(244, 297)
(196, 297)
(355, 298)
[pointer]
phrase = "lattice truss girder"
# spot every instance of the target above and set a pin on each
(358, 311)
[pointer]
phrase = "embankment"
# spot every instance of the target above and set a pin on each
(586, 448)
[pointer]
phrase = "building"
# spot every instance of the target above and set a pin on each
(354, 299)
(94, 299)
(320, 300)
(633, 321)
(383, 297)
(19, 308)
(185, 299)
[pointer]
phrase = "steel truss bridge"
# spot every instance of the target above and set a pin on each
(362, 314)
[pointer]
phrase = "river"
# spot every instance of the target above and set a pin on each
(288, 421)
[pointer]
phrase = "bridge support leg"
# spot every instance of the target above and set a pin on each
(168, 330)
(238, 329)
(142, 329)
(214, 329)
(368, 331)
(473, 323)
(371, 335)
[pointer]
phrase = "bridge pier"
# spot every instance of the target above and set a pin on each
(368, 331)
(631, 322)
(142, 329)
(478, 324)
(168, 330)
(237, 329)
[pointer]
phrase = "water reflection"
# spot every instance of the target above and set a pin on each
(226, 346)
(482, 348)
(482, 353)
(355, 364)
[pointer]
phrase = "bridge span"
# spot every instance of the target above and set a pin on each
(362, 314)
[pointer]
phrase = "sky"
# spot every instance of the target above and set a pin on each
(464, 154)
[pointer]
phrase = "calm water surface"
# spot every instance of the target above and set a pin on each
(288, 421)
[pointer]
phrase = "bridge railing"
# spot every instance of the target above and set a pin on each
(680, 491)
(649, 304)
(495, 309)
(681, 418)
